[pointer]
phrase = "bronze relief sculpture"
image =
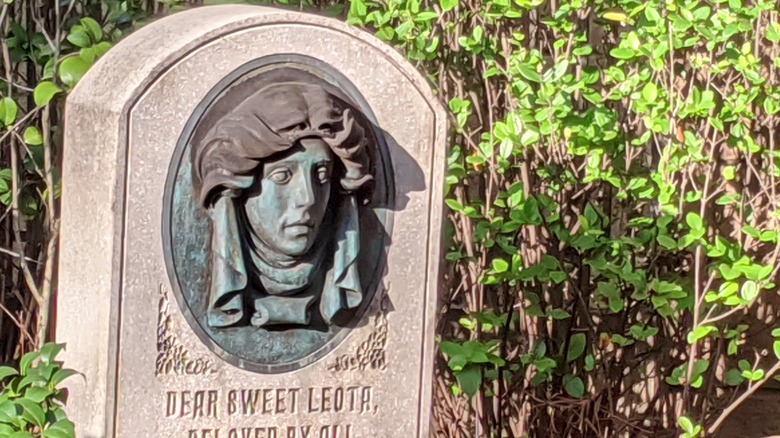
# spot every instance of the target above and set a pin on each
(279, 176)
(278, 214)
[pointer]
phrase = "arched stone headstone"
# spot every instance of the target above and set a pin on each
(250, 240)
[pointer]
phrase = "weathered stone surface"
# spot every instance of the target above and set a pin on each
(147, 373)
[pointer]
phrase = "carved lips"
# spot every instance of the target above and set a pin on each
(300, 228)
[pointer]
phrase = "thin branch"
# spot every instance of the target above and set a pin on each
(732, 407)
(17, 255)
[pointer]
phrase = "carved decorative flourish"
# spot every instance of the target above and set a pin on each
(172, 356)
(370, 353)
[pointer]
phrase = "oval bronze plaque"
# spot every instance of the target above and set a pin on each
(277, 213)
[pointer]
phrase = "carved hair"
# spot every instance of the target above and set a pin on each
(273, 120)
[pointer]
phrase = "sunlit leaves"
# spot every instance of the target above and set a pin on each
(650, 92)
(613, 179)
(72, 70)
(31, 399)
(749, 290)
(615, 15)
(700, 333)
(690, 429)
(448, 5)
(623, 53)
(44, 92)
(32, 136)
(8, 111)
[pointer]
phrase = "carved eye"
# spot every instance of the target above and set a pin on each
(280, 176)
(323, 176)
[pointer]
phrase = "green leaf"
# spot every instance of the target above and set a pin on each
(469, 324)
(558, 314)
(32, 412)
(575, 387)
(8, 411)
(386, 33)
(529, 72)
(470, 379)
(79, 38)
(44, 92)
(101, 48)
(769, 236)
(426, 16)
(60, 429)
(590, 363)
(773, 32)
(729, 198)
(615, 15)
(749, 290)
(728, 173)
(700, 333)
(694, 221)
(622, 53)
(451, 349)
(776, 347)
(357, 10)
(667, 242)
(700, 367)
(529, 137)
(727, 289)
(26, 361)
(500, 265)
(650, 92)
(448, 5)
(728, 272)
(50, 350)
(686, 424)
(734, 378)
(32, 136)
(21, 434)
(36, 394)
(93, 28)
(751, 231)
(72, 70)
(558, 276)
(576, 347)
(61, 375)
(7, 371)
(8, 111)
(454, 205)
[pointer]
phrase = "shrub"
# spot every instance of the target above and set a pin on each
(613, 186)
(31, 404)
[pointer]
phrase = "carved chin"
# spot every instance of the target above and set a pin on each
(295, 247)
(295, 243)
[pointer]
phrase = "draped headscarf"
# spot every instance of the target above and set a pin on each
(225, 164)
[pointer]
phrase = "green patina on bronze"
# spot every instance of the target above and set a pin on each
(263, 172)
(275, 238)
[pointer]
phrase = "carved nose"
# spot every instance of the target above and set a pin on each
(304, 196)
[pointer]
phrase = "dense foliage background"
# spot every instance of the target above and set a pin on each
(613, 186)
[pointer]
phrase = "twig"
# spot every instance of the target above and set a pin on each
(17, 255)
(732, 407)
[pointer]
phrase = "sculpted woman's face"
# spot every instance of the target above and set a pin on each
(294, 192)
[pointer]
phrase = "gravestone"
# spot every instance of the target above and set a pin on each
(250, 242)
